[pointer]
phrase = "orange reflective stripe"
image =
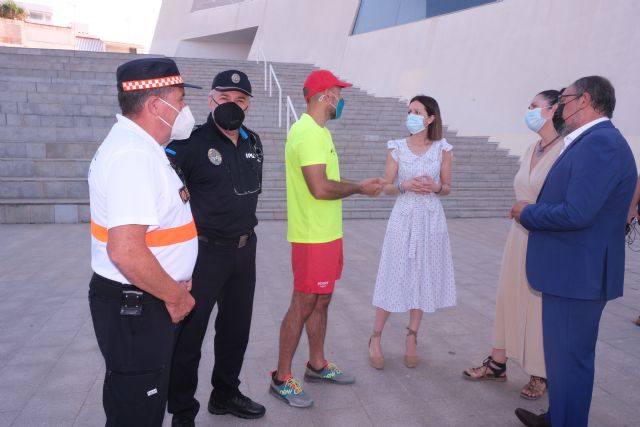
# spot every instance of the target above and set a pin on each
(160, 237)
(99, 232)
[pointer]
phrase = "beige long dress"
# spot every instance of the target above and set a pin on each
(518, 323)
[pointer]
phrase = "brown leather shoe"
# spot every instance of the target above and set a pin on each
(530, 419)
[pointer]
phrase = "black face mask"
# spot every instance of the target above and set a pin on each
(558, 121)
(229, 116)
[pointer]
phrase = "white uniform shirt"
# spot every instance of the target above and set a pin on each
(132, 182)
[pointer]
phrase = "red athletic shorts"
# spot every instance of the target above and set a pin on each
(316, 266)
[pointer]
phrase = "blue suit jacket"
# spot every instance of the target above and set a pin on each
(577, 226)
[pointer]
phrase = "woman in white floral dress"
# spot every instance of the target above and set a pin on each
(416, 268)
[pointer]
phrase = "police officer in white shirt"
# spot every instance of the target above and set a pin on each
(144, 242)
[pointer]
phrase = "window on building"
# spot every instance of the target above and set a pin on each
(209, 4)
(36, 16)
(376, 14)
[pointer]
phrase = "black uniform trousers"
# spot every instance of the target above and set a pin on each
(137, 352)
(223, 275)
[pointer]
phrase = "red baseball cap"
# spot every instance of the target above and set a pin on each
(320, 80)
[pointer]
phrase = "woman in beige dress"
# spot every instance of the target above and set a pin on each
(518, 322)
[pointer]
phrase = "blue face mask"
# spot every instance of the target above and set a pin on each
(534, 120)
(415, 123)
(339, 107)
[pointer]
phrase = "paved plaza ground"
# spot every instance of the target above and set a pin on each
(51, 371)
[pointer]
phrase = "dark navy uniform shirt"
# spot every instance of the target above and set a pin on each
(223, 179)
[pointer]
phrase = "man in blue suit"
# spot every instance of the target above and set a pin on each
(575, 255)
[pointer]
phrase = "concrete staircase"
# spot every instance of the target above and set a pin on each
(57, 106)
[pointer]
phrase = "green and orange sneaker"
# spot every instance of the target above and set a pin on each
(330, 373)
(290, 390)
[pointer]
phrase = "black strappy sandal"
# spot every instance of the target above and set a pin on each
(490, 370)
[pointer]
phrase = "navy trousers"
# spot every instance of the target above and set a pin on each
(225, 276)
(570, 331)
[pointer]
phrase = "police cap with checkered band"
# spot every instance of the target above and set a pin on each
(149, 73)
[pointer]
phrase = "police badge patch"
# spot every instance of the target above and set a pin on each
(184, 194)
(214, 156)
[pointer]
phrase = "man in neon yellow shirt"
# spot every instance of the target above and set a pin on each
(314, 211)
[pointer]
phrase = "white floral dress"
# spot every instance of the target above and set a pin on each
(416, 268)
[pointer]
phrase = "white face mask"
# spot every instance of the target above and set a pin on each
(183, 125)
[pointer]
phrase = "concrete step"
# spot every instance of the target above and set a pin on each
(66, 211)
(78, 188)
(383, 213)
(41, 211)
(458, 190)
(25, 167)
(56, 107)
(362, 202)
(43, 188)
(273, 152)
(48, 150)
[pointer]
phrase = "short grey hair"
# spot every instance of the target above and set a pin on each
(603, 95)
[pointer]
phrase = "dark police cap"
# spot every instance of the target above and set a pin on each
(149, 73)
(231, 80)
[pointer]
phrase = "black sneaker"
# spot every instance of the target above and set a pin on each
(240, 406)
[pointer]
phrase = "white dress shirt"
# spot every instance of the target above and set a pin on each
(576, 133)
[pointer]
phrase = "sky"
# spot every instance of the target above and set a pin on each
(130, 21)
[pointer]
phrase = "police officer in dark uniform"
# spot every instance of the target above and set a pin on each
(221, 164)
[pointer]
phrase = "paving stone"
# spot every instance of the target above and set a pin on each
(50, 349)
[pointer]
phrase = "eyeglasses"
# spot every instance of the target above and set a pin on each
(533, 107)
(253, 188)
(562, 97)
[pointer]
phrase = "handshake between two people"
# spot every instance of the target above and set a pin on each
(422, 184)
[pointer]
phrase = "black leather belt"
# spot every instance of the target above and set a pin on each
(110, 289)
(238, 242)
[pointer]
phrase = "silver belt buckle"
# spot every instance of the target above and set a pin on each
(242, 240)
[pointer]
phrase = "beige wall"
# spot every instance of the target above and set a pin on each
(49, 37)
(178, 30)
(483, 65)
(27, 34)
(11, 32)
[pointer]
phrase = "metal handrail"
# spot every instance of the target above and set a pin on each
(272, 77)
(290, 109)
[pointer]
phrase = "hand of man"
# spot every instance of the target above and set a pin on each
(516, 210)
(182, 305)
(371, 186)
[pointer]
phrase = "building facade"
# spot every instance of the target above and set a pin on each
(482, 60)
